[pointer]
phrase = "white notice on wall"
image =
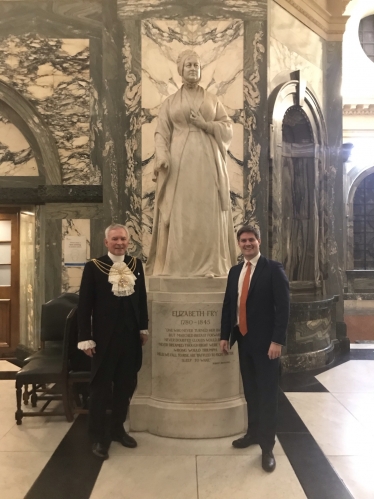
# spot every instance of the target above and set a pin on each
(75, 251)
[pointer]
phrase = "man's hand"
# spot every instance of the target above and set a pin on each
(224, 345)
(90, 351)
(275, 351)
(143, 338)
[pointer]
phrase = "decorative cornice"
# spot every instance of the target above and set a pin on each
(358, 109)
(329, 22)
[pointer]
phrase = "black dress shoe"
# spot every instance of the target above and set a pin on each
(268, 461)
(125, 439)
(243, 442)
(100, 450)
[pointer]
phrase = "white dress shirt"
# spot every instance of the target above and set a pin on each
(85, 345)
(241, 277)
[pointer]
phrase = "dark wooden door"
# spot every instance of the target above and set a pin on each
(9, 282)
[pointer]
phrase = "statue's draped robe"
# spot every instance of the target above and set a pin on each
(193, 233)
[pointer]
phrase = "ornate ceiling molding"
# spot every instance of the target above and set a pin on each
(324, 17)
(358, 109)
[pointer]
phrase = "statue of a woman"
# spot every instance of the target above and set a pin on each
(193, 233)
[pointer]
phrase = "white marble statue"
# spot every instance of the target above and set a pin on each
(193, 233)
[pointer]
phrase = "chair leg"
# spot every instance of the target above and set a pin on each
(26, 394)
(67, 403)
(34, 396)
(19, 412)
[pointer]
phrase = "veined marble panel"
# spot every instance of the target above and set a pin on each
(71, 276)
(16, 155)
(289, 31)
(282, 58)
(54, 75)
(255, 203)
(220, 46)
(172, 8)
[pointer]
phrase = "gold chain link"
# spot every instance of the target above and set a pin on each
(105, 267)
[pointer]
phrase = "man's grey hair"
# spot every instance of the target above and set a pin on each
(115, 227)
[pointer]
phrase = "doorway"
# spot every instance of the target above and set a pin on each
(9, 281)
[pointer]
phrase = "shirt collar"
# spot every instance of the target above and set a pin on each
(116, 258)
(254, 260)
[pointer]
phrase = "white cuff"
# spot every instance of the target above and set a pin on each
(85, 345)
(144, 331)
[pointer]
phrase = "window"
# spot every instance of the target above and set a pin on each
(363, 224)
(366, 34)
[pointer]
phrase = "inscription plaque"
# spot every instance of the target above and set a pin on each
(186, 351)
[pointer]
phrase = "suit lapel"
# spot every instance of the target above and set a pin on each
(259, 268)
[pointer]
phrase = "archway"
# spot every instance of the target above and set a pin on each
(25, 116)
(298, 146)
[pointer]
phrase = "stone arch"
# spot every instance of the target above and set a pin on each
(26, 117)
(295, 101)
(350, 235)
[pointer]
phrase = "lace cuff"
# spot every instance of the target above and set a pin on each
(85, 345)
(144, 331)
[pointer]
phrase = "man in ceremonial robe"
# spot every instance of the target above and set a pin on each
(113, 327)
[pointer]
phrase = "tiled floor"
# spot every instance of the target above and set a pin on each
(330, 416)
(25, 449)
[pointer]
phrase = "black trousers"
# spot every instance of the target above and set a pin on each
(260, 377)
(114, 384)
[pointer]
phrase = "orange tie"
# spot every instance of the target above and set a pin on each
(243, 300)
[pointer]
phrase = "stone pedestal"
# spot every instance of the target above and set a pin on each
(194, 390)
(310, 335)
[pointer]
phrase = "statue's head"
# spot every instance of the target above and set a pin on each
(189, 66)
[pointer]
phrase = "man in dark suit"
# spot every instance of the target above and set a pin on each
(255, 314)
(113, 323)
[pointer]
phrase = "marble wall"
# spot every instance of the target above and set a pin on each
(61, 220)
(229, 36)
(53, 74)
(293, 46)
(72, 276)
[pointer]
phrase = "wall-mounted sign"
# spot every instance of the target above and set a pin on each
(75, 251)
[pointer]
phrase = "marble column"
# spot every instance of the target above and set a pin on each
(255, 168)
(113, 152)
(335, 185)
(39, 286)
(132, 199)
(53, 258)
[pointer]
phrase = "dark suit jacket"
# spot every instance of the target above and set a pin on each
(268, 306)
(99, 309)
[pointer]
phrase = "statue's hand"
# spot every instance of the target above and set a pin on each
(197, 120)
(160, 164)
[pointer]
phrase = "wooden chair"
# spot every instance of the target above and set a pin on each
(48, 375)
(53, 317)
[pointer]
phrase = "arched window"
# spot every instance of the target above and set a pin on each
(300, 221)
(363, 224)
(366, 34)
